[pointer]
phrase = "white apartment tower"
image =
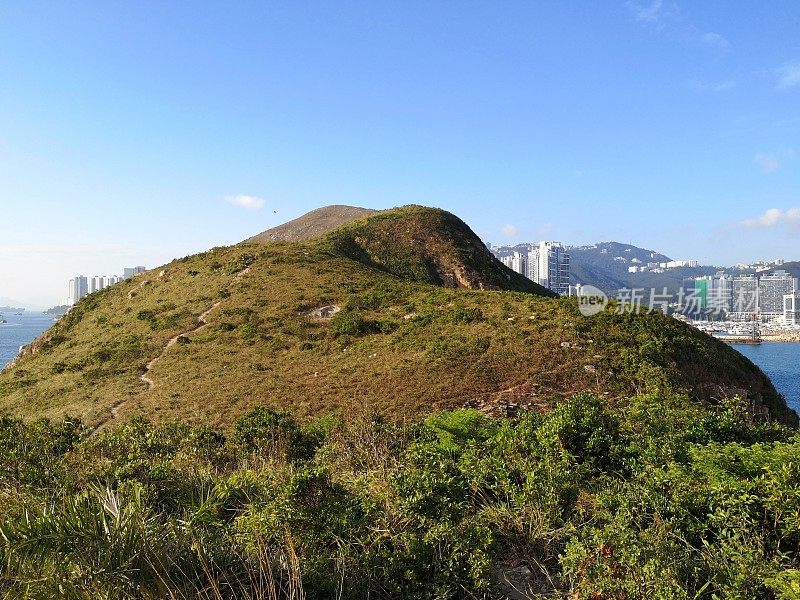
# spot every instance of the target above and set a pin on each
(546, 263)
(791, 308)
(532, 272)
(78, 288)
(517, 262)
(772, 290)
(553, 267)
(129, 272)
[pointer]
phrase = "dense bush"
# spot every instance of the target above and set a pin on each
(654, 497)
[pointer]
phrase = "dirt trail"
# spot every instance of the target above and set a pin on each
(171, 342)
(115, 408)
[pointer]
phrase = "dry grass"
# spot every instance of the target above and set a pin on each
(422, 347)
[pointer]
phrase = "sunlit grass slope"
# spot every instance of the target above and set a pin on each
(402, 344)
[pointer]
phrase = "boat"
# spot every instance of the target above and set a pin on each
(752, 339)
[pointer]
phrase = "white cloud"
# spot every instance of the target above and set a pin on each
(715, 40)
(666, 18)
(769, 163)
(248, 202)
(647, 13)
(711, 86)
(509, 231)
(789, 75)
(774, 217)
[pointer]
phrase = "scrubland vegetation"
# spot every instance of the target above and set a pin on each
(234, 436)
(655, 497)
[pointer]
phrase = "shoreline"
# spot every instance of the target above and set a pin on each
(781, 337)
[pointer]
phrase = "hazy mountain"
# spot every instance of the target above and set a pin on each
(11, 303)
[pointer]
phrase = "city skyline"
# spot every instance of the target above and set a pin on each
(754, 266)
(81, 285)
(143, 133)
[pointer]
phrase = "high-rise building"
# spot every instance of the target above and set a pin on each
(771, 292)
(553, 267)
(710, 293)
(791, 308)
(517, 262)
(744, 297)
(81, 285)
(532, 272)
(129, 272)
(546, 263)
(78, 288)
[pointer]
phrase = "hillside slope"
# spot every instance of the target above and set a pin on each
(431, 246)
(312, 224)
(792, 267)
(356, 321)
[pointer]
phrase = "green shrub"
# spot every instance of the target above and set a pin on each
(264, 430)
(658, 496)
(455, 428)
(353, 323)
(585, 430)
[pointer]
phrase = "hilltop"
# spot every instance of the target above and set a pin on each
(398, 313)
(312, 224)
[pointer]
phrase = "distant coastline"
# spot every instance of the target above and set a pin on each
(784, 336)
(11, 309)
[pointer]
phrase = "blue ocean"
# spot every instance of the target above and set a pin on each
(781, 362)
(18, 331)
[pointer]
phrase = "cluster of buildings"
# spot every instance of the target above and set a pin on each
(660, 267)
(546, 263)
(80, 285)
(762, 265)
(772, 298)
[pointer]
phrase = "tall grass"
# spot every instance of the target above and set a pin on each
(655, 497)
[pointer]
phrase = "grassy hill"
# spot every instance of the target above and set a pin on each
(398, 313)
(312, 224)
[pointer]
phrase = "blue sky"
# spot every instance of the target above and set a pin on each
(127, 129)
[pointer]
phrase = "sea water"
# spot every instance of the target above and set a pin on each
(19, 331)
(781, 362)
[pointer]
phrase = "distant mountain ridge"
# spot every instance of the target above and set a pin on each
(605, 265)
(790, 267)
